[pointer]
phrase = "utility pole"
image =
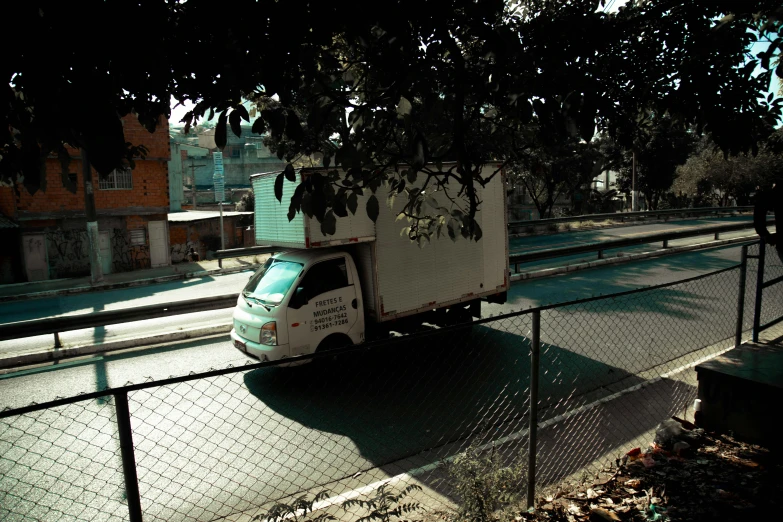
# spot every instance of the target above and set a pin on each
(193, 180)
(96, 269)
(634, 192)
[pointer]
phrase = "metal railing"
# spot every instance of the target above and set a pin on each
(549, 391)
(57, 325)
(220, 255)
(602, 246)
(623, 216)
(770, 264)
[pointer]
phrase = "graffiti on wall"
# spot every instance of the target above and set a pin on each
(126, 257)
(69, 254)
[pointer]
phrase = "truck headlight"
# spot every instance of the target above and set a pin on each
(269, 334)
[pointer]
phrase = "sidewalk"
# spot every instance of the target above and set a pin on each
(75, 285)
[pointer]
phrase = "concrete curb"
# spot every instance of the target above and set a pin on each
(623, 258)
(129, 284)
(53, 354)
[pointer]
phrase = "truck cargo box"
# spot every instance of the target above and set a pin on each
(274, 229)
(400, 278)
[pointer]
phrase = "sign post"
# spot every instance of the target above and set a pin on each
(220, 195)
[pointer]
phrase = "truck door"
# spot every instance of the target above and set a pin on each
(322, 305)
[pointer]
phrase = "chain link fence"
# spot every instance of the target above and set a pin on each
(444, 410)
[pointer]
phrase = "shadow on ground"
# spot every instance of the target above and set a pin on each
(440, 392)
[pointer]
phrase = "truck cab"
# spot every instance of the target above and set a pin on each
(298, 302)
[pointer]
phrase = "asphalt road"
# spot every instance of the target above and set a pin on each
(212, 447)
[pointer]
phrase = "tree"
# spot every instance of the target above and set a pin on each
(659, 151)
(422, 84)
(550, 170)
(710, 178)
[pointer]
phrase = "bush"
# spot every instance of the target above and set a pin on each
(247, 203)
(482, 485)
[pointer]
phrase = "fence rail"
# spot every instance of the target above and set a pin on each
(622, 216)
(546, 392)
(56, 325)
(602, 246)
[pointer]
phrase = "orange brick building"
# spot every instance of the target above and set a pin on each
(132, 208)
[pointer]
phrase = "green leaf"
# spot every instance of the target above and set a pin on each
(221, 136)
(411, 175)
(477, 233)
(242, 112)
(373, 208)
(404, 106)
(352, 203)
(453, 228)
(279, 187)
(329, 224)
(293, 128)
(307, 207)
(259, 126)
(338, 206)
(289, 172)
(236, 124)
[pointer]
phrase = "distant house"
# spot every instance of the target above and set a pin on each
(192, 164)
(200, 230)
(132, 206)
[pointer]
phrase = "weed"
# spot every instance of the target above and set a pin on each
(299, 511)
(385, 504)
(482, 485)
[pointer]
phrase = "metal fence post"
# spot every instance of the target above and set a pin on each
(741, 297)
(759, 290)
(533, 432)
(128, 458)
(57, 342)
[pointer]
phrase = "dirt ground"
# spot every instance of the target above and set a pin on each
(690, 476)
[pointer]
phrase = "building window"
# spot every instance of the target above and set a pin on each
(118, 179)
(235, 152)
(138, 237)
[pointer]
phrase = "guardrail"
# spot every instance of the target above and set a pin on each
(55, 325)
(622, 216)
(662, 237)
(220, 255)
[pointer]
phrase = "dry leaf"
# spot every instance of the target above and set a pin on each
(602, 515)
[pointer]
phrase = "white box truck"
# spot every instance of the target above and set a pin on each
(328, 291)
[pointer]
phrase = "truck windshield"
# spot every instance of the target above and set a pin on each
(270, 284)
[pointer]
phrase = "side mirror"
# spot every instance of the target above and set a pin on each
(299, 299)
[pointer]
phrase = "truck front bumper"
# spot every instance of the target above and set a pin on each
(262, 352)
